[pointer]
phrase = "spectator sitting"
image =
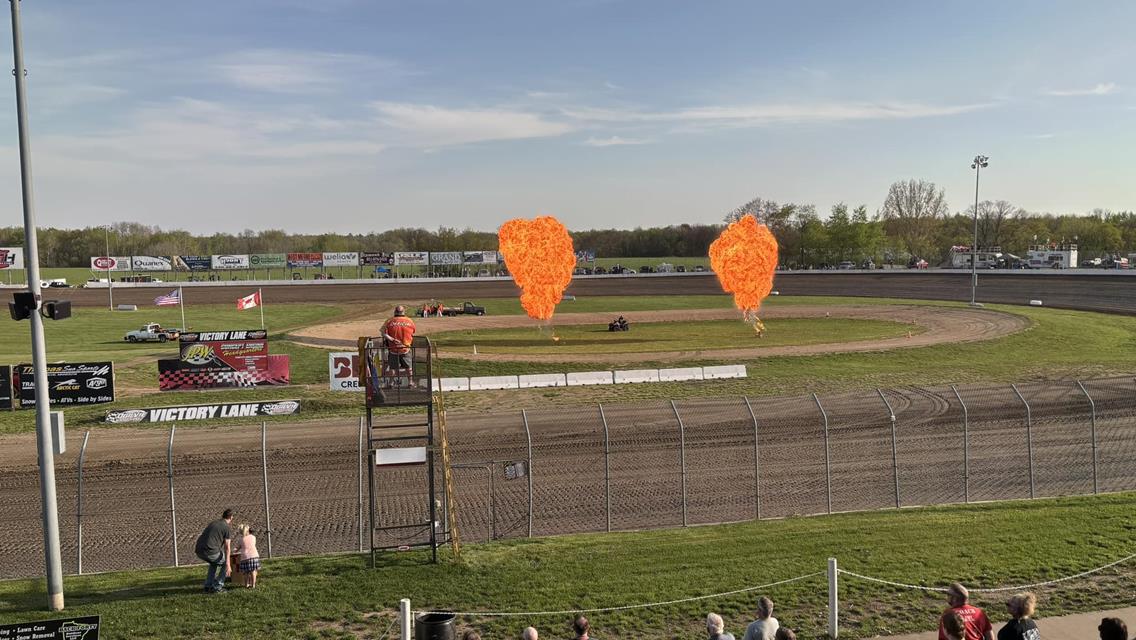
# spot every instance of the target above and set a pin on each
(952, 624)
(765, 627)
(1113, 629)
(1021, 626)
(785, 633)
(715, 628)
(581, 627)
(529, 634)
(974, 619)
(470, 634)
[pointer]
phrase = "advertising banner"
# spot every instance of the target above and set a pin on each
(411, 257)
(297, 260)
(244, 350)
(343, 371)
(110, 263)
(268, 260)
(69, 383)
(193, 263)
(5, 386)
(174, 374)
(84, 628)
(340, 259)
(205, 412)
(445, 257)
(375, 258)
(230, 262)
(152, 263)
(479, 257)
(11, 258)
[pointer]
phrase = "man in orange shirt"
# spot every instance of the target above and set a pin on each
(398, 335)
(975, 622)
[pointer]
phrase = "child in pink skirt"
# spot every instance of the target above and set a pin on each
(250, 557)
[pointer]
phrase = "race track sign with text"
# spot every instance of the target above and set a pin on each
(6, 386)
(217, 411)
(343, 370)
(69, 383)
(84, 628)
(11, 258)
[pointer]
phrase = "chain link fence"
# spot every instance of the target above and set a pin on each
(139, 498)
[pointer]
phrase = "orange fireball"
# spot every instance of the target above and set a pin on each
(744, 257)
(540, 257)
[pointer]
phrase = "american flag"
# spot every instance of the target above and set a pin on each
(173, 298)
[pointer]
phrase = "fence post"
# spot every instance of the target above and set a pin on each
(264, 473)
(79, 508)
(827, 458)
(492, 504)
(1093, 423)
(681, 457)
(359, 513)
(404, 618)
(965, 447)
(894, 456)
(170, 479)
(489, 506)
(607, 468)
(756, 461)
(833, 600)
(528, 436)
(1029, 435)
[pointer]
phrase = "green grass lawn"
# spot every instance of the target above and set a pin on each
(669, 336)
(987, 545)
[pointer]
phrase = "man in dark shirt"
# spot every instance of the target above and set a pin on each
(214, 546)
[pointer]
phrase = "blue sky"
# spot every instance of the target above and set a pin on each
(355, 115)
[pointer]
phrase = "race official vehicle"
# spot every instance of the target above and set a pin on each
(152, 332)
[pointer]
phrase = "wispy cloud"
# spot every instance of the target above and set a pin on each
(1100, 89)
(431, 126)
(612, 86)
(301, 72)
(1041, 136)
(614, 141)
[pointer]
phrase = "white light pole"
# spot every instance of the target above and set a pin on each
(54, 568)
(980, 163)
(110, 286)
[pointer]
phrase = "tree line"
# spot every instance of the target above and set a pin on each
(913, 221)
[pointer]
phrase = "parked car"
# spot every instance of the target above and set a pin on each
(846, 265)
(681, 268)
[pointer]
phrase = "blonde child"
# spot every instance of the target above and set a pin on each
(250, 557)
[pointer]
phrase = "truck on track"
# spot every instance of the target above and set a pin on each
(152, 332)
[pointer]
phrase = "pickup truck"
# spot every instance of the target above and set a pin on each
(466, 309)
(152, 332)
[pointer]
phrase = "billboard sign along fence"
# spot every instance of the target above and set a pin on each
(268, 260)
(152, 263)
(480, 257)
(11, 258)
(193, 263)
(343, 371)
(84, 628)
(411, 257)
(376, 258)
(230, 261)
(69, 383)
(445, 257)
(205, 412)
(304, 260)
(340, 259)
(110, 263)
(5, 386)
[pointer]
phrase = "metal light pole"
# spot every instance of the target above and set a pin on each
(980, 162)
(110, 285)
(39, 349)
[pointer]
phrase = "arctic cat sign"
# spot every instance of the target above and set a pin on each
(70, 383)
(85, 628)
(205, 412)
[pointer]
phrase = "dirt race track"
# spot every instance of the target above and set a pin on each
(943, 455)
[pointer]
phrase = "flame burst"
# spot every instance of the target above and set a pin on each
(540, 257)
(744, 257)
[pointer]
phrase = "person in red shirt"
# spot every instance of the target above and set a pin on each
(974, 619)
(398, 336)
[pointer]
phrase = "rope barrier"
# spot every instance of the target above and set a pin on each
(991, 590)
(502, 614)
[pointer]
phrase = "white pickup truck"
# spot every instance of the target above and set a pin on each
(152, 332)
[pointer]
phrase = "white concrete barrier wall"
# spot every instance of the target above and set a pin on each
(724, 371)
(583, 378)
(542, 380)
(636, 375)
(493, 382)
(452, 384)
(680, 374)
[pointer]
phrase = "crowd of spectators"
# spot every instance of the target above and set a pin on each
(960, 621)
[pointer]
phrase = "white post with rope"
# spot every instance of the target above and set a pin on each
(833, 600)
(404, 618)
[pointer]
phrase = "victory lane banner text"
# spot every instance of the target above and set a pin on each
(204, 412)
(85, 628)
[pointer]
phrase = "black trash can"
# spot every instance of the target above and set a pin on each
(435, 626)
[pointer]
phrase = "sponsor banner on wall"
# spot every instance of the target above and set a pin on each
(69, 383)
(297, 260)
(110, 263)
(5, 386)
(375, 258)
(205, 412)
(268, 260)
(193, 263)
(84, 628)
(411, 257)
(11, 258)
(343, 371)
(270, 370)
(479, 257)
(445, 257)
(340, 258)
(152, 263)
(231, 261)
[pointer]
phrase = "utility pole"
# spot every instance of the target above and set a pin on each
(979, 163)
(39, 349)
(110, 285)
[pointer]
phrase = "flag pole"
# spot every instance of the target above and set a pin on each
(260, 296)
(181, 303)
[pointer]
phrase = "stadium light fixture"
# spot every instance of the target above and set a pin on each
(980, 163)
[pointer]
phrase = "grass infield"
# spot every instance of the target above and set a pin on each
(987, 545)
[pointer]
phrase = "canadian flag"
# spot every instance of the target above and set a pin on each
(249, 301)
